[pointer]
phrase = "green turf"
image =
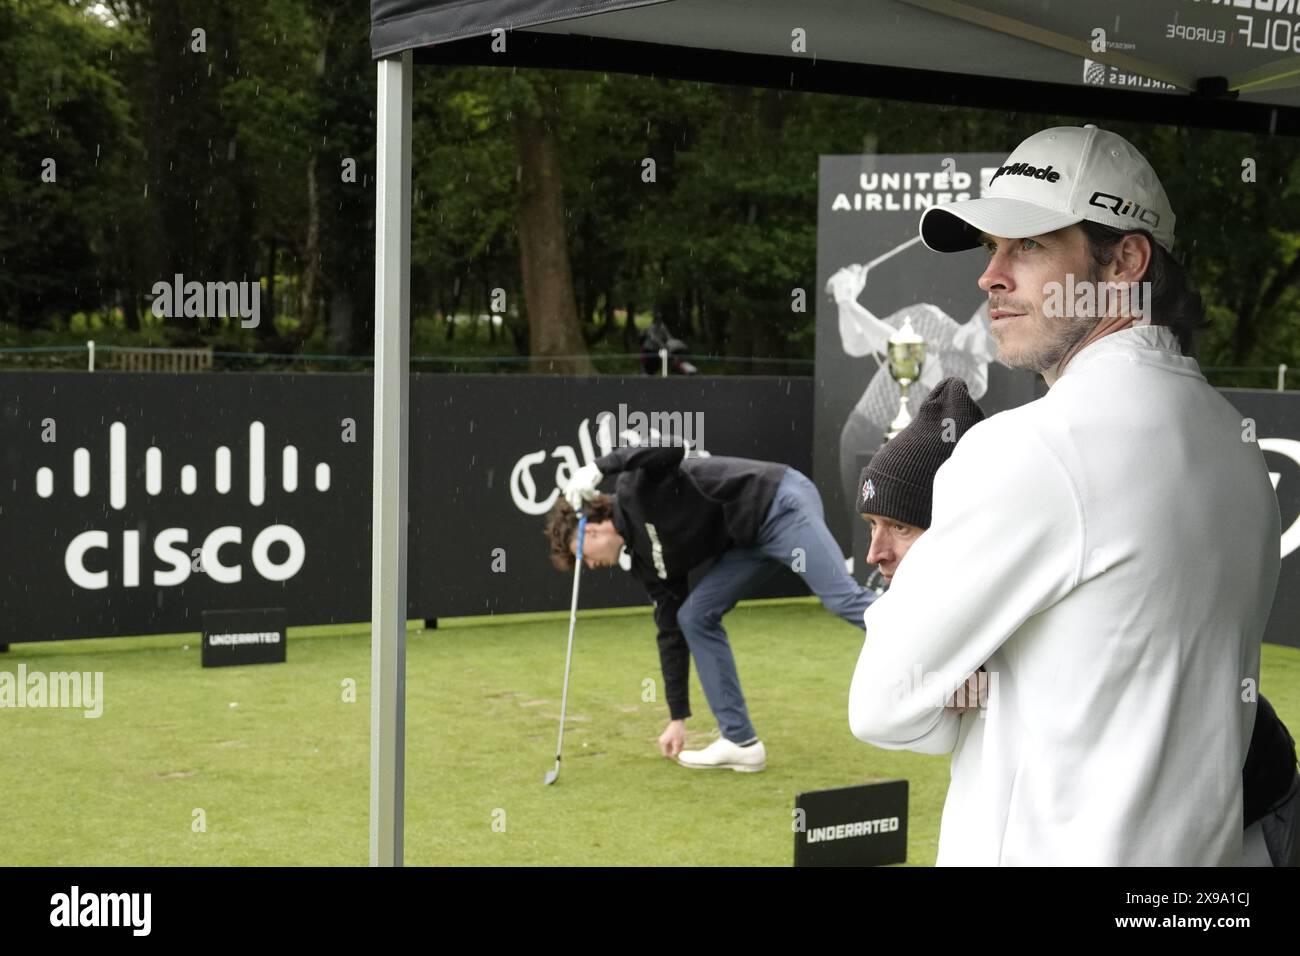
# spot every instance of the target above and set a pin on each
(282, 777)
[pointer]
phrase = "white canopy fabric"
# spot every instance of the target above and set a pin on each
(1246, 52)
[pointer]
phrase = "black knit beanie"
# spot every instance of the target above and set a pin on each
(898, 480)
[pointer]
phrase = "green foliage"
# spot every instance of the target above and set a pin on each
(230, 163)
(62, 98)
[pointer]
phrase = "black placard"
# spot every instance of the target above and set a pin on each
(253, 636)
(864, 825)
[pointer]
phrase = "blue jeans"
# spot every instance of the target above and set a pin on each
(794, 535)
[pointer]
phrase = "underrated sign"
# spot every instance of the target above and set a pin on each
(865, 825)
(244, 637)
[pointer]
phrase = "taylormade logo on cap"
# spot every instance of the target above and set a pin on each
(1024, 169)
(1056, 178)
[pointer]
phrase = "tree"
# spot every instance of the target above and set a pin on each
(66, 162)
(556, 341)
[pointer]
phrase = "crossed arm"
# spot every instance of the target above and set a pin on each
(987, 564)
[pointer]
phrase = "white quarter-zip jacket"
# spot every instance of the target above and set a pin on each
(1109, 553)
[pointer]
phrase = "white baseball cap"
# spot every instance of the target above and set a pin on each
(1054, 179)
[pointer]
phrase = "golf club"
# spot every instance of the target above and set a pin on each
(867, 267)
(553, 775)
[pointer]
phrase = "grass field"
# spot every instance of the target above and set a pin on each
(278, 761)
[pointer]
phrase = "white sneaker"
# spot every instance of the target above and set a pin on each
(722, 754)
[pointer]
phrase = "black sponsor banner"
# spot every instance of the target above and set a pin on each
(1273, 420)
(255, 636)
(486, 455)
(864, 825)
(868, 208)
(130, 504)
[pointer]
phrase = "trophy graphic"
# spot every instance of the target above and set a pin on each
(906, 356)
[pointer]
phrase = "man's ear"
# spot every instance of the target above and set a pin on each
(1132, 260)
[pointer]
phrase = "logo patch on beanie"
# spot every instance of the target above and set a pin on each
(868, 491)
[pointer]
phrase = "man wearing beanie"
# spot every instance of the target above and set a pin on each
(1109, 553)
(896, 484)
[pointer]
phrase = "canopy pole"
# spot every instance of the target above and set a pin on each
(388, 550)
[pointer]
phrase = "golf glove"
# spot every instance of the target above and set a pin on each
(847, 284)
(582, 486)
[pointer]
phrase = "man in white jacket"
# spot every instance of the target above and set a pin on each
(1109, 552)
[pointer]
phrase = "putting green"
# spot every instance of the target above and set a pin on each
(270, 764)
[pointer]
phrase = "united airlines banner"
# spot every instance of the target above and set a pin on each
(874, 275)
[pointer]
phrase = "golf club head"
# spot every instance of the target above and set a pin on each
(550, 778)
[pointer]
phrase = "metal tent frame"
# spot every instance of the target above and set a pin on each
(976, 53)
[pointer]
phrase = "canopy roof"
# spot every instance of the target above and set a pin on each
(1233, 64)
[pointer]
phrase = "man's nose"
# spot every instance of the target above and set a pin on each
(997, 275)
(879, 550)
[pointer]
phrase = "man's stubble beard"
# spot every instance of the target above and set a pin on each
(1062, 336)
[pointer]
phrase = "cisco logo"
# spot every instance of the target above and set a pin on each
(176, 560)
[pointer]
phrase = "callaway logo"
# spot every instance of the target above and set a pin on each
(868, 491)
(1024, 169)
(1125, 207)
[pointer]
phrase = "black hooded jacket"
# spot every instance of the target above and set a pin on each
(675, 514)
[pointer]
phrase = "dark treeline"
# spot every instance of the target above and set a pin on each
(235, 141)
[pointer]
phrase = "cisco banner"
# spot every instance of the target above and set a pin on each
(134, 503)
(131, 504)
